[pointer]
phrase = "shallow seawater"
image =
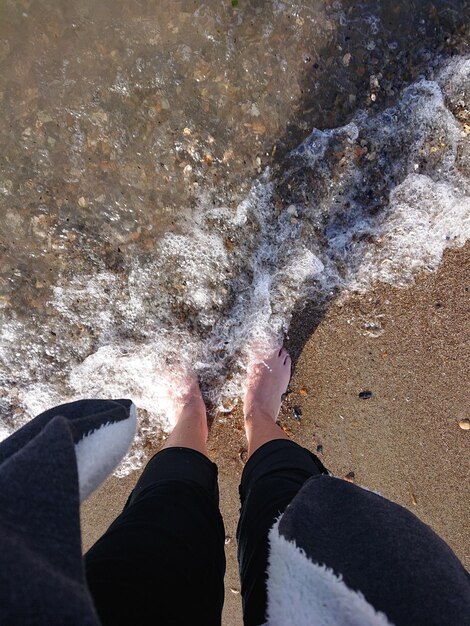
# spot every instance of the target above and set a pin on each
(178, 178)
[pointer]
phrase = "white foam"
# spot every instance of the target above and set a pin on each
(4, 432)
(425, 218)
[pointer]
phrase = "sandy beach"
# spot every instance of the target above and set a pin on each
(404, 441)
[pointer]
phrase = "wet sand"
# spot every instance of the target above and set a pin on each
(404, 441)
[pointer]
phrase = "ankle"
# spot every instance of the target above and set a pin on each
(257, 408)
(190, 417)
(258, 418)
(262, 431)
(193, 408)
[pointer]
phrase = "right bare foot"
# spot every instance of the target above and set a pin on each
(267, 382)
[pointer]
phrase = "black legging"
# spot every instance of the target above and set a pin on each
(162, 561)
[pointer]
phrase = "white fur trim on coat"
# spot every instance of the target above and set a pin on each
(98, 453)
(304, 593)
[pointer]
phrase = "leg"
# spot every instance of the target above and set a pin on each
(162, 560)
(276, 470)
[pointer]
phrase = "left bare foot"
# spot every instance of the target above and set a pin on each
(187, 413)
(188, 402)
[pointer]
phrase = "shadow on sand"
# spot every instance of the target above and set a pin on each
(356, 71)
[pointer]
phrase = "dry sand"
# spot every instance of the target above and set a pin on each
(404, 441)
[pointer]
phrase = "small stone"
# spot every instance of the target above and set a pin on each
(44, 117)
(228, 539)
(297, 412)
(350, 477)
(320, 448)
(187, 170)
(303, 391)
(227, 404)
(235, 591)
(4, 49)
(292, 210)
(186, 132)
(257, 127)
(229, 245)
(83, 202)
(6, 187)
(99, 116)
(347, 59)
(464, 424)
(365, 395)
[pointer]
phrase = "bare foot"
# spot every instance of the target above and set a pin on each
(188, 415)
(267, 381)
(187, 401)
